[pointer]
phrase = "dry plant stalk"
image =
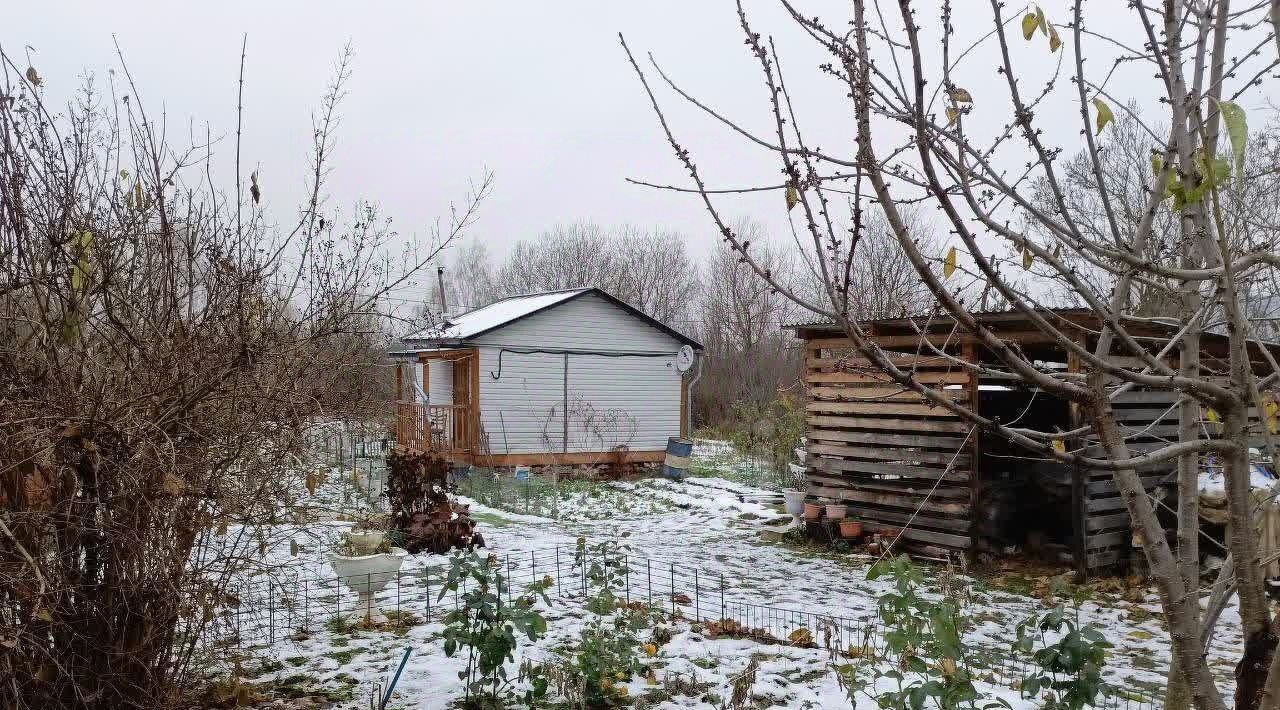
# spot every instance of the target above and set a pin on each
(163, 350)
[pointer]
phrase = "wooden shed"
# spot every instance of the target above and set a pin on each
(562, 377)
(901, 462)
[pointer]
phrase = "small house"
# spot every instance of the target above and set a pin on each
(564, 377)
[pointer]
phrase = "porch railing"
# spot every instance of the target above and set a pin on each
(445, 428)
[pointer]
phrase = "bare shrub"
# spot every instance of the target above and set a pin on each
(163, 350)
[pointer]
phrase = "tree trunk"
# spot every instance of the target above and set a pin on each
(1181, 608)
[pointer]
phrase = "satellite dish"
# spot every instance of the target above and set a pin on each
(684, 359)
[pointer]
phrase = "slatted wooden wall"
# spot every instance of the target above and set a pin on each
(1148, 420)
(887, 453)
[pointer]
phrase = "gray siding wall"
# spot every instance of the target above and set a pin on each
(632, 401)
(440, 380)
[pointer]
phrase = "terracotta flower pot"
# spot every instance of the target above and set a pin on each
(812, 511)
(836, 511)
(850, 528)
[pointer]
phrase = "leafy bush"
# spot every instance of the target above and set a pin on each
(485, 623)
(422, 515)
(771, 431)
(925, 642)
(928, 660)
(607, 653)
(1069, 667)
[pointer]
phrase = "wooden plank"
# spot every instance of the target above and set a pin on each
(893, 501)
(949, 443)
(857, 362)
(901, 487)
(1107, 521)
(956, 338)
(1109, 486)
(890, 423)
(821, 407)
(883, 453)
(959, 542)
(1145, 397)
(1102, 505)
(1146, 414)
(930, 378)
(1105, 540)
(1104, 559)
(901, 518)
(880, 394)
(902, 471)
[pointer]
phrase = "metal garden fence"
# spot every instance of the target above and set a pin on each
(269, 612)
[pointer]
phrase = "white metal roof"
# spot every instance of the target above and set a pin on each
(486, 318)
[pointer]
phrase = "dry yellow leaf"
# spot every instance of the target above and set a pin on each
(949, 264)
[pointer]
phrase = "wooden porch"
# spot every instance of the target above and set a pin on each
(444, 428)
(451, 428)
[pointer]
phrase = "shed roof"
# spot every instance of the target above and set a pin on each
(477, 322)
(1015, 326)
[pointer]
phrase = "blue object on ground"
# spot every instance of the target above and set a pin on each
(386, 697)
(676, 465)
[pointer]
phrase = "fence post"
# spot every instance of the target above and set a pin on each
(648, 568)
(508, 578)
(428, 576)
(533, 568)
(673, 589)
(559, 588)
(697, 597)
(271, 613)
(626, 570)
(722, 612)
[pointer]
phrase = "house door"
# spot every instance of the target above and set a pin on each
(463, 401)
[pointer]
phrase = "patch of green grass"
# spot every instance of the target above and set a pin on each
(344, 657)
(296, 661)
(493, 519)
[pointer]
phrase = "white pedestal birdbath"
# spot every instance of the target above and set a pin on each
(367, 575)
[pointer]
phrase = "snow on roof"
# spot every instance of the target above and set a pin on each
(486, 318)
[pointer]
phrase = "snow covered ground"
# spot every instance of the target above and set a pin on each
(713, 525)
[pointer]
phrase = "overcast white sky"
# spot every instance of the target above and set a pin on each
(540, 93)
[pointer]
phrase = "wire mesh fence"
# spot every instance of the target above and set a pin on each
(267, 612)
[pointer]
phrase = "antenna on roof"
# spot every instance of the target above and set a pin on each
(440, 282)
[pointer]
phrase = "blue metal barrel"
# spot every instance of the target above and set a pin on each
(676, 465)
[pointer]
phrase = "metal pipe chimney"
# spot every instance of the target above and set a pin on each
(444, 309)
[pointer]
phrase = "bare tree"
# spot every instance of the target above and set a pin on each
(975, 159)
(164, 353)
(748, 359)
(650, 270)
(469, 277)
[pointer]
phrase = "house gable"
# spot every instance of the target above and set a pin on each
(589, 321)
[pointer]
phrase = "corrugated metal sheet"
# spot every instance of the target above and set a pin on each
(480, 320)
